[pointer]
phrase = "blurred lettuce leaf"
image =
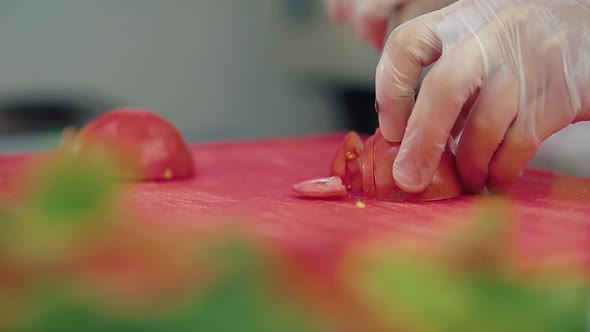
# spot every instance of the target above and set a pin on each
(243, 295)
(66, 199)
(72, 191)
(467, 283)
(406, 290)
(246, 294)
(483, 245)
(425, 297)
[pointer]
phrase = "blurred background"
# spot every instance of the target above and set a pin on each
(218, 69)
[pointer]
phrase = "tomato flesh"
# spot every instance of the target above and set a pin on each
(445, 183)
(347, 163)
(153, 149)
(368, 168)
(329, 187)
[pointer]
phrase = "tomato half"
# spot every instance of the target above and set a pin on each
(445, 182)
(330, 187)
(153, 149)
(347, 163)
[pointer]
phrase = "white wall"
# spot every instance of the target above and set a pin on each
(207, 65)
(210, 66)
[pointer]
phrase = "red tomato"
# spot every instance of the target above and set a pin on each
(347, 163)
(445, 183)
(368, 168)
(152, 147)
(329, 187)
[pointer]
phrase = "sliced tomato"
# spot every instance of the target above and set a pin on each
(347, 163)
(445, 183)
(151, 147)
(330, 187)
(368, 170)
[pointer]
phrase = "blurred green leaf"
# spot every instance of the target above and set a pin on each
(73, 192)
(427, 296)
(483, 245)
(66, 199)
(244, 296)
(469, 285)
(57, 306)
(512, 304)
(408, 290)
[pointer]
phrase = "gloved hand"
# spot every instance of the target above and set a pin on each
(369, 18)
(507, 73)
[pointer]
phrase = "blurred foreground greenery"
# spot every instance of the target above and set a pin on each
(72, 258)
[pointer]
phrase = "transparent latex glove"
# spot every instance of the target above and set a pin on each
(371, 19)
(507, 74)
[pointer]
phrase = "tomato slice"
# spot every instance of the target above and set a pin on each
(329, 187)
(347, 163)
(368, 168)
(445, 183)
(147, 146)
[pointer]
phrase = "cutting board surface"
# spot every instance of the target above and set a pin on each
(250, 182)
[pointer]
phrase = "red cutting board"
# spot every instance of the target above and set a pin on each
(250, 182)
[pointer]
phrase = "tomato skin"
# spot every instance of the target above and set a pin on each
(329, 187)
(347, 163)
(151, 147)
(445, 182)
(368, 168)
